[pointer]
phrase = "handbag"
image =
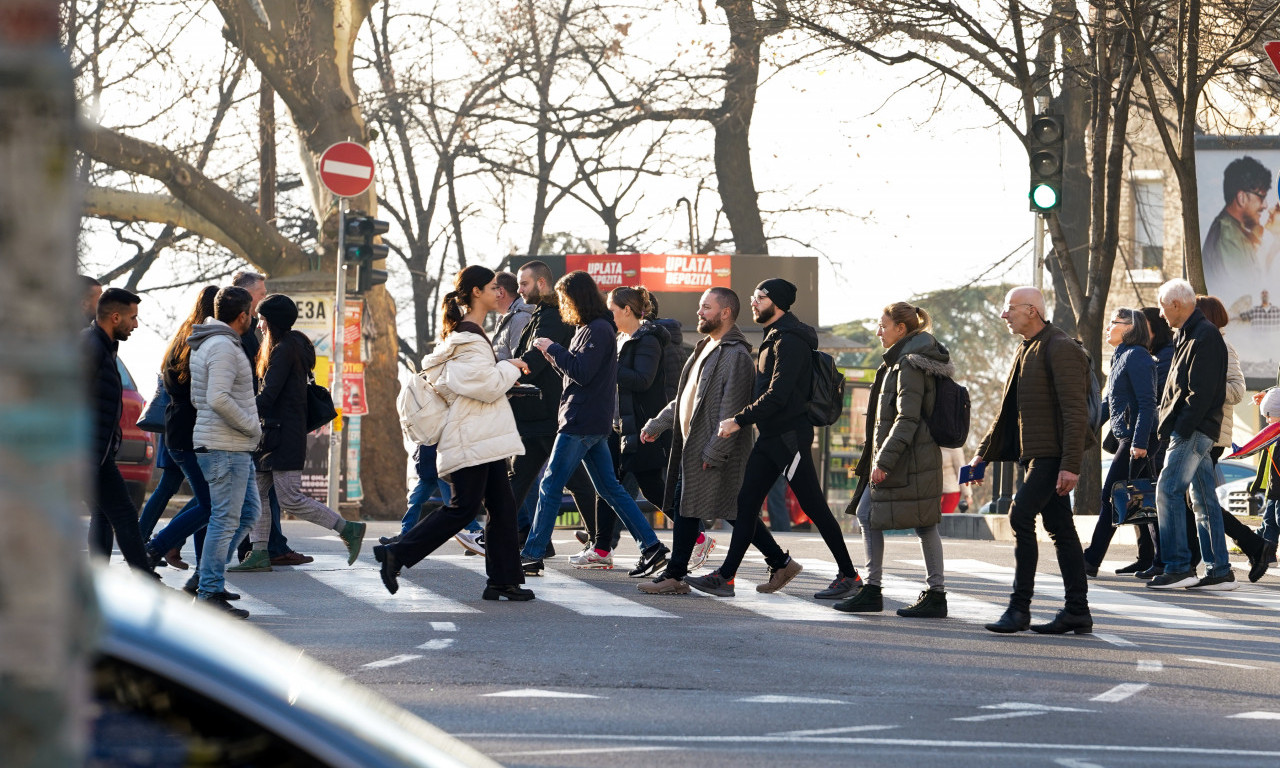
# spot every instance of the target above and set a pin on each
(152, 419)
(1133, 501)
(320, 410)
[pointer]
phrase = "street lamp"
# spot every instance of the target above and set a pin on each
(693, 238)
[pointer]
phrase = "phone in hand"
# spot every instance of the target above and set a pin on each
(969, 473)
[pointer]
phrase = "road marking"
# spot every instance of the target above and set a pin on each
(778, 605)
(391, 662)
(1071, 762)
(568, 592)
(1000, 716)
(826, 731)
(1217, 663)
(363, 583)
(178, 579)
(1113, 601)
(1254, 595)
(1150, 665)
(536, 693)
(963, 607)
(771, 699)
(1256, 716)
(1021, 705)
(444, 626)
(437, 645)
(589, 751)
(1115, 640)
(1120, 692)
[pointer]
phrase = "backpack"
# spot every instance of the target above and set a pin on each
(826, 395)
(422, 409)
(1094, 397)
(948, 422)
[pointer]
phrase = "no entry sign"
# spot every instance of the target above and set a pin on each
(346, 169)
(1273, 52)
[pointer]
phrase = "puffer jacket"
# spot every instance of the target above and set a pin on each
(641, 395)
(1131, 394)
(105, 391)
(282, 404)
(1047, 416)
(900, 442)
(480, 427)
(1232, 397)
(222, 390)
(784, 378)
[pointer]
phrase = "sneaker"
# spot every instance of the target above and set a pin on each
(154, 559)
(258, 561)
(473, 542)
(650, 561)
(665, 585)
(590, 558)
(1150, 573)
(292, 558)
(532, 567)
(218, 603)
(930, 605)
(779, 577)
(192, 587)
(842, 587)
(701, 551)
(868, 600)
(713, 584)
(352, 534)
(1173, 580)
(1224, 583)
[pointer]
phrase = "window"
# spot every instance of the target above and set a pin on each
(1148, 224)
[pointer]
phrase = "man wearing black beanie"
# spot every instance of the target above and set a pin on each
(784, 371)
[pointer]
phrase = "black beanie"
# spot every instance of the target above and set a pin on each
(279, 310)
(779, 291)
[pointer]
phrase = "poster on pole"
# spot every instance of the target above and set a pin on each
(1240, 244)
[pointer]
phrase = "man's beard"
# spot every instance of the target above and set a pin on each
(709, 326)
(764, 315)
(534, 298)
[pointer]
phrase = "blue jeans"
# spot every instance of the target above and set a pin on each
(428, 481)
(170, 481)
(592, 451)
(233, 495)
(1187, 465)
(194, 516)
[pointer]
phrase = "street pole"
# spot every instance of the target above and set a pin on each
(1037, 246)
(693, 238)
(339, 347)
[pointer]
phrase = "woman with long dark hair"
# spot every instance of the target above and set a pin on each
(284, 368)
(479, 437)
(590, 370)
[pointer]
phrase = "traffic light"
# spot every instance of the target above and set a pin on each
(1044, 146)
(361, 252)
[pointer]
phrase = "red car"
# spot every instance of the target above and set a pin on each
(137, 455)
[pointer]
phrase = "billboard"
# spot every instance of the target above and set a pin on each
(1240, 230)
(657, 272)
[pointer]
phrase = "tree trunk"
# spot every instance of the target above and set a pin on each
(736, 185)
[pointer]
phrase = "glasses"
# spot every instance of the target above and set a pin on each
(1118, 321)
(1261, 195)
(756, 298)
(1009, 307)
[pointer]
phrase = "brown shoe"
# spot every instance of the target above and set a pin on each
(779, 577)
(174, 558)
(664, 586)
(292, 558)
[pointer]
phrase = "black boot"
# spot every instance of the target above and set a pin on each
(930, 605)
(868, 600)
(390, 570)
(1064, 622)
(1013, 620)
(509, 591)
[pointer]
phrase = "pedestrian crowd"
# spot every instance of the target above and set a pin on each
(581, 390)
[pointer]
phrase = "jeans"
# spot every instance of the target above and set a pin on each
(591, 451)
(424, 461)
(194, 516)
(233, 495)
(113, 510)
(1187, 465)
(170, 480)
(1270, 528)
(528, 467)
(1039, 496)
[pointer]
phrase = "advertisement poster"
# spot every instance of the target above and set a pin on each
(1240, 226)
(657, 272)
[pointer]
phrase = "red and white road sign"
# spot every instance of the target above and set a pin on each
(346, 169)
(1273, 50)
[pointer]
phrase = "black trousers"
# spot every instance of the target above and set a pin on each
(484, 485)
(1039, 496)
(527, 469)
(684, 537)
(786, 453)
(652, 483)
(113, 510)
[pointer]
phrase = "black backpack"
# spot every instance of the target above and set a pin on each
(949, 420)
(826, 394)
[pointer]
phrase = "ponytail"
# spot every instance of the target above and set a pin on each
(450, 313)
(464, 286)
(637, 299)
(914, 318)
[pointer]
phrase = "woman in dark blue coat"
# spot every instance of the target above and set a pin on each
(1131, 400)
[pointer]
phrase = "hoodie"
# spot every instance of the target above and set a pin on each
(589, 367)
(784, 378)
(507, 336)
(222, 390)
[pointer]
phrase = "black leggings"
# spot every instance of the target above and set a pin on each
(603, 529)
(770, 456)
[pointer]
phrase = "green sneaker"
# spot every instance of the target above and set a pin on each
(352, 535)
(258, 560)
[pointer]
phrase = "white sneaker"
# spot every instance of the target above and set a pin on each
(589, 558)
(700, 553)
(472, 542)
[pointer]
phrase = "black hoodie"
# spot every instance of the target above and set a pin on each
(784, 378)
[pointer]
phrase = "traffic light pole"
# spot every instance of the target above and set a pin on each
(1037, 249)
(339, 347)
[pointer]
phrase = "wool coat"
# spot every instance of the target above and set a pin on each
(899, 441)
(282, 404)
(725, 384)
(480, 427)
(641, 395)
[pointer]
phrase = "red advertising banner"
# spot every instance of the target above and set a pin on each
(657, 272)
(354, 402)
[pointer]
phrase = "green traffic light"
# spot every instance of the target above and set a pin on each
(1044, 197)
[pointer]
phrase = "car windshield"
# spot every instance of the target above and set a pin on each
(125, 379)
(1233, 472)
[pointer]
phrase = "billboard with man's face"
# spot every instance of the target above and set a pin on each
(1240, 230)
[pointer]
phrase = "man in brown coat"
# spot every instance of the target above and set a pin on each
(1043, 425)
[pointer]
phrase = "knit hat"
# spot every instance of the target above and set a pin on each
(779, 291)
(279, 310)
(1270, 405)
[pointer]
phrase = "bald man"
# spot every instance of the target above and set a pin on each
(1044, 426)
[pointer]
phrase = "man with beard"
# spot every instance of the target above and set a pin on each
(1230, 252)
(783, 381)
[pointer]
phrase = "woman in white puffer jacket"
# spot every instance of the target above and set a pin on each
(479, 436)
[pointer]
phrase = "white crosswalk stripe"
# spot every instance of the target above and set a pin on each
(963, 607)
(1251, 594)
(177, 579)
(363, 583)
(779, 606)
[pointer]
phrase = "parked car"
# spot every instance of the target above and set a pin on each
(137, 456)
(175, 684)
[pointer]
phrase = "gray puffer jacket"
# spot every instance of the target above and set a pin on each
(899, 437)
(222, 390)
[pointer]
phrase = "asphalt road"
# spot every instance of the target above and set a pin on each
(594, 673)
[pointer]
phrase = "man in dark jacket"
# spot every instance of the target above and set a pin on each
(111, 508)
(784, 378)
(1191, 420)
(536, 417)
(1044, 426)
